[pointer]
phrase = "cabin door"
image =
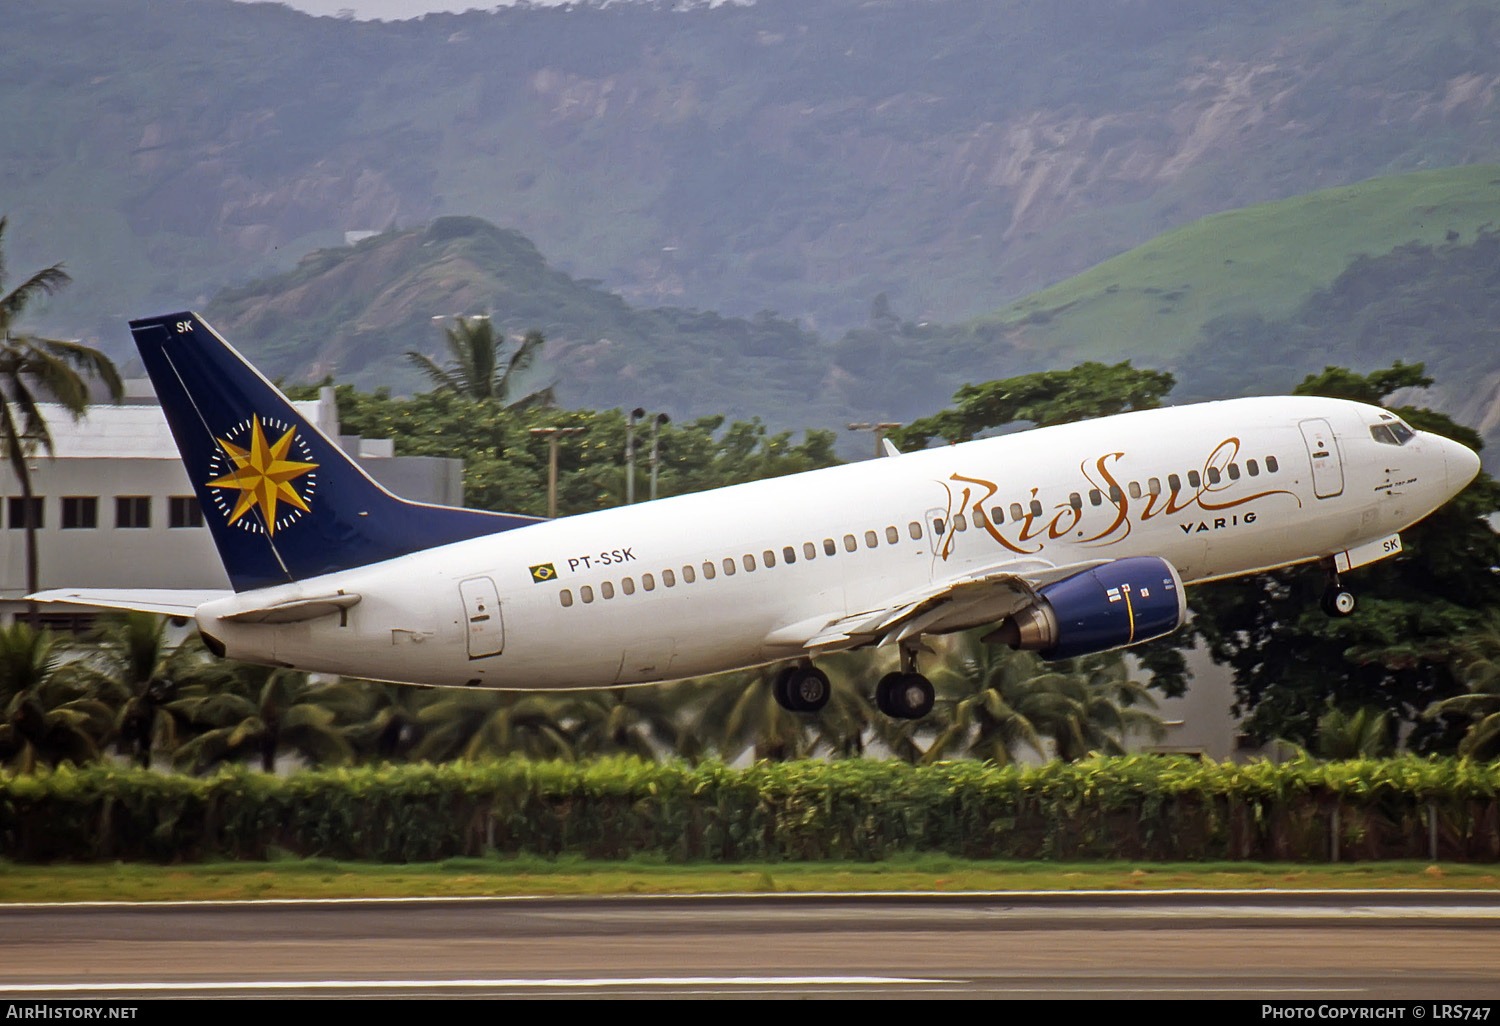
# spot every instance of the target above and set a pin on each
(1327, 470)
(482, 612)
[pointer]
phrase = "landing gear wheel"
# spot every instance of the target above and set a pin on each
(801, 689)
(905, 696)
(1338, 602)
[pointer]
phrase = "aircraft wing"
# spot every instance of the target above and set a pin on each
(163, 601)
(972, 600)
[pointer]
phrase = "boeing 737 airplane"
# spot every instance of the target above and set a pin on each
(1068, 540)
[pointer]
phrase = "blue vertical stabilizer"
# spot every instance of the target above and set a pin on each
(282, 499)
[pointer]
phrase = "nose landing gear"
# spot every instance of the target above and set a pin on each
(1337, 600)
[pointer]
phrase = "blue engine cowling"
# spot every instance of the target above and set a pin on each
(1120, 603)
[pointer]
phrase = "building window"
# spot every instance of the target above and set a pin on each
(132, 511)
(184, 511)
(17, 518)
(79, 511)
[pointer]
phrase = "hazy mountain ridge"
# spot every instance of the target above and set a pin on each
(793, 156)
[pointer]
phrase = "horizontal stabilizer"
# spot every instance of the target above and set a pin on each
(162, 601)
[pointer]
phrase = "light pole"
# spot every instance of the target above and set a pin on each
(880, 429)
(553, 433)
(656, 423)
(635, 415)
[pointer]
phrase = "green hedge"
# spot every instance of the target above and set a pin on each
(1140, 807)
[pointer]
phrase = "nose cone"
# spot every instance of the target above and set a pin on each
(1463, 465)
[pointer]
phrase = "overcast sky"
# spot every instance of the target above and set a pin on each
(396, 10)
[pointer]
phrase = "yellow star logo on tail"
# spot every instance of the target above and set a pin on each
(263, 475)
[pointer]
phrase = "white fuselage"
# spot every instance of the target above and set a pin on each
(1218, 489)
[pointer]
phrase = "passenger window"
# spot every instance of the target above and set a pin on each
(648, 582)
(628, 586)
(829, 548)
(1154, 486)
(959, 523)
(749, 561)
(1015, 512)
(1036, 508)
(1194, 481)
(566, 595)
(769, 558)
(1115, 495)
(1234, 472)
(586, 593)
(1135, 489)
(1076, 501)
(1214, 477)
(893, 536)
(788, 555)
(937, 528)
(669, 578)
(1096, 497)
(979, 518)
(607, 590)
(688, 577)
(728, 566)
(708, 570)
(870, 540)
(1253, 468)
(915, 530)
(997, 514)
(1174, 482)
(1271, 466)
(850, 544)
(809, 550)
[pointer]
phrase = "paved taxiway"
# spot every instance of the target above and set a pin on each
(1261, 945)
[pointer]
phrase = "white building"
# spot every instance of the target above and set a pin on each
(116, 510)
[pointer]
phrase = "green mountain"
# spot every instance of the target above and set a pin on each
(353, 311)
(800, 156)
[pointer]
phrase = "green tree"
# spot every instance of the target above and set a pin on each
(1042, 399)
(1364, 733)
(476, 369)
(1401, 649)
(484, 724)
(1480, 705)
(140, 672)
(258, 712)
(32, 370)
(49, 712)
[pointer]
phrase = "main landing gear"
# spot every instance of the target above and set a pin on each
(802, 688)
(905, 695)
(1337, 600)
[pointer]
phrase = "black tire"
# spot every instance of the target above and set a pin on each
(905, 696)
(781, 688)
(884, 694)
(808, 689)
(1338, 602)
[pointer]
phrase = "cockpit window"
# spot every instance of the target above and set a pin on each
(1392, 432)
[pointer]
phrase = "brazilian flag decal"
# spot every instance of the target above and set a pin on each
(543, 573)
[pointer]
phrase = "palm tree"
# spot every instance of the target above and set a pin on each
(997, 703)
(141, 674)
(31, 368)
(1481, 674)
(48, 712)
(491, 724)
(1363, 734)
(476, 369)
(287, 711)
(648, 722)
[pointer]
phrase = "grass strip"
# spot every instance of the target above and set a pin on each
(479, 877)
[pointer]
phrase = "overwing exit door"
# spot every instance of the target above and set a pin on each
(1327, 470)
(482, 612)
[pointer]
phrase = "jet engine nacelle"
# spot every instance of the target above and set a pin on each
(1120, 603)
